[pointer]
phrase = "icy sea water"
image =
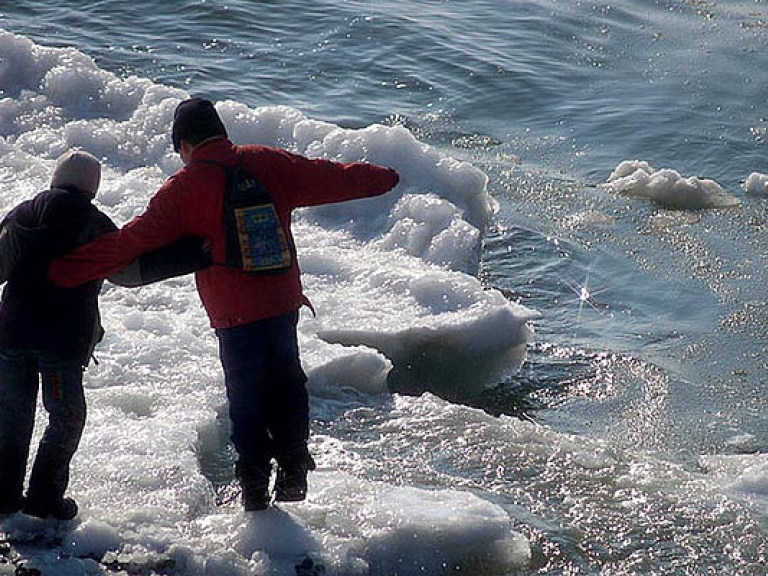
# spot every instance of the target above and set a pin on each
(631, 440)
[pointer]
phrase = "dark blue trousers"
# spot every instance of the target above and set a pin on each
(21, 376)
(266, 388)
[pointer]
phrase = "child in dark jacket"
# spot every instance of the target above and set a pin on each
(47, 333)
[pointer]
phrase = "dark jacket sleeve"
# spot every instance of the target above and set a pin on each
(186, 255)
(16, 239)
(10, 249)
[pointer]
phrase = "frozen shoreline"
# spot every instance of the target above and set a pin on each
(392, 279)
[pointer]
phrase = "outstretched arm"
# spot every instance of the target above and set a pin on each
(319, 181)
(158, 227)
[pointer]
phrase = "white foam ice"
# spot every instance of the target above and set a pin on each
(437, 326)
(392, 279)
(756, 184)
(743, 476)
(667, 187)
(428, 529)
(753, 480)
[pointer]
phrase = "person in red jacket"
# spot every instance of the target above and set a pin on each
(252, 292)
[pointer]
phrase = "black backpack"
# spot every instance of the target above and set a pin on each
(255, 239)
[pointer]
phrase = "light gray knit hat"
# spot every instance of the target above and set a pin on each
(78, 169)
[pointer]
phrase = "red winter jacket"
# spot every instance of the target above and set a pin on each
(191, 203)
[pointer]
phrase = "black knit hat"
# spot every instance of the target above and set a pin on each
(195, 120)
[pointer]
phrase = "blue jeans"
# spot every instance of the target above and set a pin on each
(21, 373)
(268, 401)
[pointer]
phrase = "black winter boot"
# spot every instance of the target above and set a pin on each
(13, 466)
(254, 481)
(64, 509)
(291, 482)
(10, 506)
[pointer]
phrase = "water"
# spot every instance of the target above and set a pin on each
(631, 440)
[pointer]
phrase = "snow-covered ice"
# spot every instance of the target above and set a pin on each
(393, 281)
